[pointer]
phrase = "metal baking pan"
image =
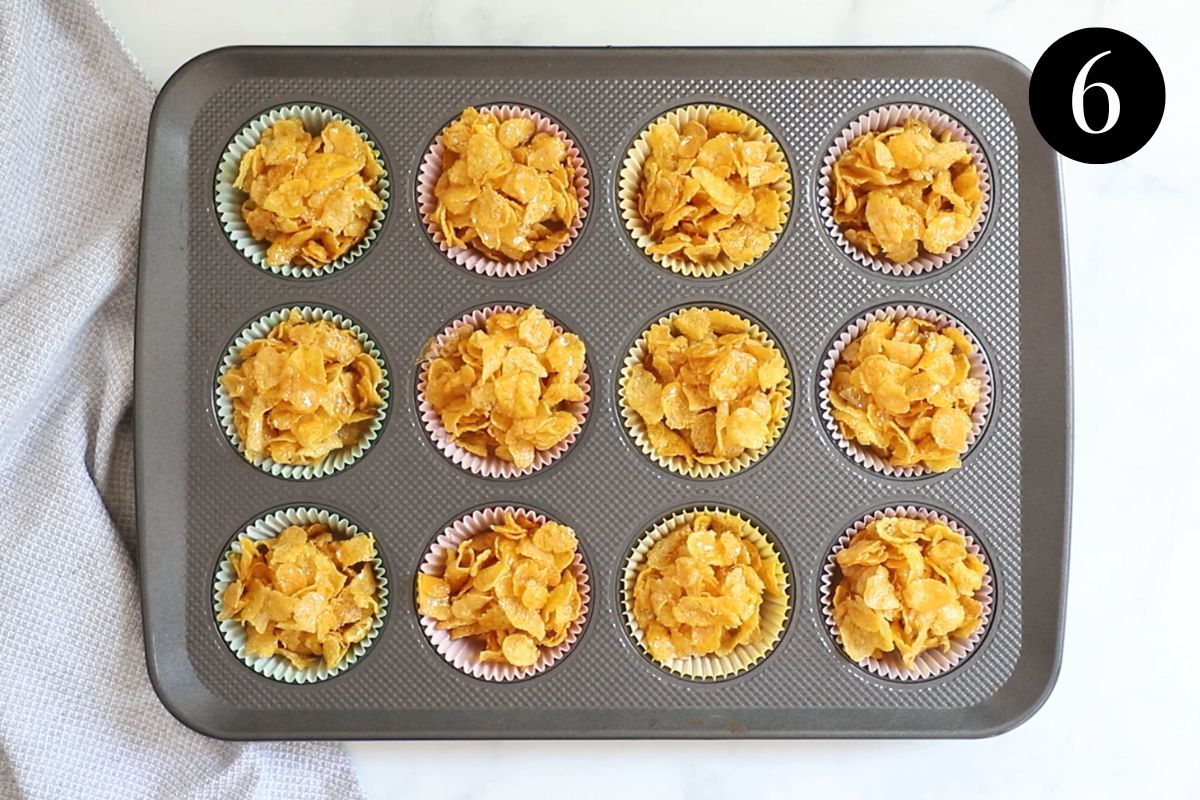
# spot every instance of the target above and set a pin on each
(195, 292)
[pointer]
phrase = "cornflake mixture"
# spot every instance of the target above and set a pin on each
(312, 198)
(710, 192)
(903, 390)
(907, 585)
(507, 389)
(506, 190)
(304, 595)
(903, 191)
(302, 392)
(701, 589)
(512, 587)
(707, 390)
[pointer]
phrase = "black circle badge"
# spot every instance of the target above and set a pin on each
(1097, 95)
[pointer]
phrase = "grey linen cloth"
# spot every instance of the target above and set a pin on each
(78, 717)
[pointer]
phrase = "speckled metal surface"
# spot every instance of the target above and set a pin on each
(194, 490)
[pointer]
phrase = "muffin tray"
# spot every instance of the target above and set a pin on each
(196, 292)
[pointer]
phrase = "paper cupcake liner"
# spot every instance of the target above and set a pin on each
(630, 180)
(277, 667)
(881, 119)
(336, 460)
(636, 428)
(463, 653)
(492, 467)
(980, 368)
(933, 662)
(773, 613)
(229, 200)
(431, 170)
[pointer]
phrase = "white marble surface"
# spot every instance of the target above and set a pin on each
(1125, 717)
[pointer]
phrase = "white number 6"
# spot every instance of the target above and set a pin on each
(1080, 89)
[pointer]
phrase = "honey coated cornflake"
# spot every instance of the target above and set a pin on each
(303, 391)
(305, 595)
(512, 587)
(710, 191)
(903, 390)
(903, 190)
(311, 197)
(707, 390)
(701, 589)
(506, 189)
(507, 389)
(906, 585)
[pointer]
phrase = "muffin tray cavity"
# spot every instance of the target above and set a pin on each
(197, 293)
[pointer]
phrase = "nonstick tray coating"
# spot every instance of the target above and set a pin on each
(195, 292)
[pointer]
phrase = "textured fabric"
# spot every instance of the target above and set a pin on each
(78, 717)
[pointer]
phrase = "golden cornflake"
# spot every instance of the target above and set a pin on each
(906, 585)
(902, 190)
(512, 587)
(305, 595)
(707, 389)
(506, 390)
(711, 191)
(506, 189)
(312, 198)
(303, 391)
(903, 390)
(701, 589)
